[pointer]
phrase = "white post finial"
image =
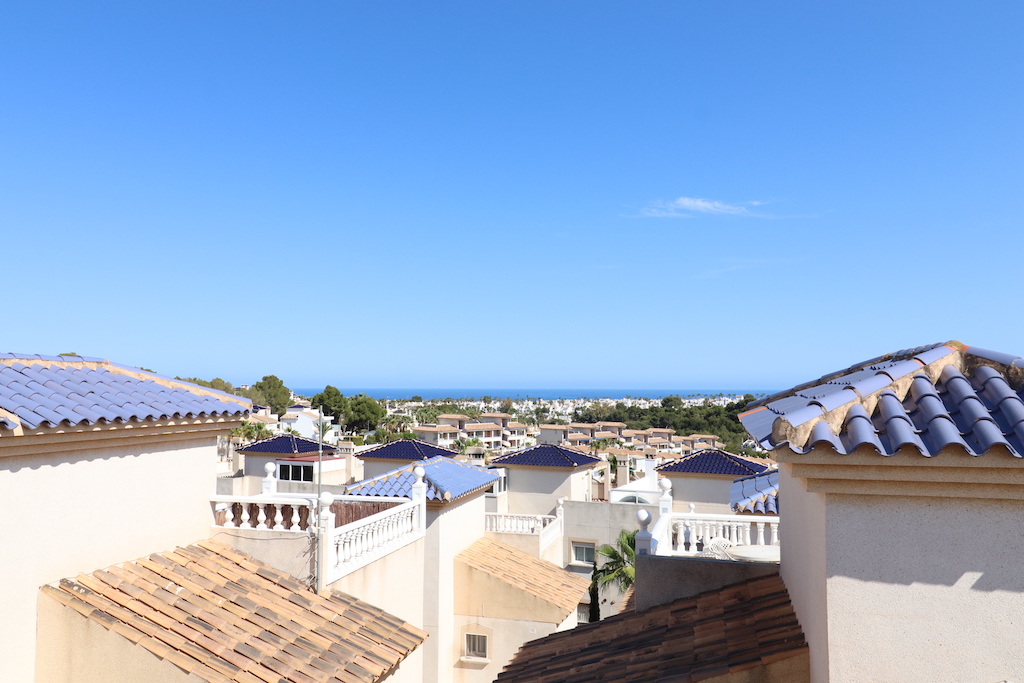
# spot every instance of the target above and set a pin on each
(419, 495)
(644, 540)
(692, 508)
(560, 511)
(665, 503)
(270, 481)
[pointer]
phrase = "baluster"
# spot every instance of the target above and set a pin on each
(746, 533)
(775, 533)
(278, 516)
(229, 514)
(243, 517)
(760, 533)
(293, 518)
(261, 517)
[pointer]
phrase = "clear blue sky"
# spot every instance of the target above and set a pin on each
(510, 193)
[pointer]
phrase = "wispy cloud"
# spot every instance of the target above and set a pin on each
(687, 207)
(732, 265)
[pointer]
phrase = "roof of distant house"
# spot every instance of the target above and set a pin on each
(435, 428)
(479, 426)
(447, 480)
(453, 416)
(286, 443)
(406, 449)
(537, 577)
(919, 400)
(220, 615)
(758, 493)
(50, 391)
(563, 428)
(495, 415)
(731, 629)
(547, 455)
(715, 461)
(612, 424)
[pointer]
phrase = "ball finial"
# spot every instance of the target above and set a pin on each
(665, 484)
(419, 472)
(270, 468)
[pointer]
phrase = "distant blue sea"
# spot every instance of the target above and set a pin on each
(546, 394)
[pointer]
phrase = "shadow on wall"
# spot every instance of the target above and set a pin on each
(939, 541)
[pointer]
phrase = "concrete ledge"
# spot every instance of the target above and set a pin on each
(661, 579)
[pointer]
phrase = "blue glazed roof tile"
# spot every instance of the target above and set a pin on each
(406, 449)
(286, 444)
(547, 455)
(714, 461)
(446, 479)
(47, 391)
(975, 404)
(756, 493)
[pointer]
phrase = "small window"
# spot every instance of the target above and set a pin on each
(583, 553)
(476, 645)
(284, 472)
(583, 613)
(307, 473)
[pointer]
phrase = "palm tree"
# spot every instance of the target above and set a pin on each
(619, 562)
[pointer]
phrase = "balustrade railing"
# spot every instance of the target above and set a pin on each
(691, 531)
(278, 513)
(517, 524)
(358, 544)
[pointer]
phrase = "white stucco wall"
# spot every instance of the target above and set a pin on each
(923, 589)
(78, 511)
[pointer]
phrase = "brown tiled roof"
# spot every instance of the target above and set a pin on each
(558, 427)
(537, 577)
(453, 416)
(222, 616)
(738, 627)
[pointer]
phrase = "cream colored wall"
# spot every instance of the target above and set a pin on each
(74, 649)
(505, 638)
(803, 565)
(536, 490)
(922, 589)
(708, 492)
(287, 551)
(80, 510)
(391, 583)
(450, 530)
(374, 467)
(481, 594)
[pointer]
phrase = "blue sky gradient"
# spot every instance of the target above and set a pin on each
(510, 193)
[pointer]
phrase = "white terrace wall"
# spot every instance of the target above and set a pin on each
(87, 507)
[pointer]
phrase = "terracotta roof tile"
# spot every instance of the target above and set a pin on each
(738, 627)
(222, 616)
(529, 574)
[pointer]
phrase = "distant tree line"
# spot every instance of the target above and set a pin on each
(706, 418)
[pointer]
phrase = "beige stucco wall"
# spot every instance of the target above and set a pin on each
(536, 490)
(708, 492)
(505, 637)
(374, 467)
(923, 589)
(74, 649)
(290, 552)
(803, 565)
(77, 511)
(481, 594)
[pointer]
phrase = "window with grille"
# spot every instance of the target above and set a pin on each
(476, 645)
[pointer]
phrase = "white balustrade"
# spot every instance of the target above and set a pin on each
(358, 544)
(273, 520)
(692, 529)
(517, 524)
